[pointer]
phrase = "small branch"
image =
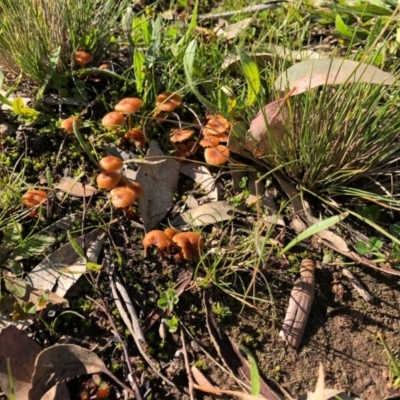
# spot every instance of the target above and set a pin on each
(188, 370)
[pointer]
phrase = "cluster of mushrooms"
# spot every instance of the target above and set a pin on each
(184, 245)
(33, 199)
(123, 193)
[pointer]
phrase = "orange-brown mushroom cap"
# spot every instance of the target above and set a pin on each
(68, 124)
(191, 244)
(168, 101)
(108, 179)
(82, 58)
(122, 197)
(111, 163)
(33, 198)
(216, 155)
(209, 141)
(217, 124)
(129, 105)
(136, 188)
(136, 136)
(156, 238)
(113, 120)
(180, 135)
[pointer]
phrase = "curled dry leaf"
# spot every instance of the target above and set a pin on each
(74, 188)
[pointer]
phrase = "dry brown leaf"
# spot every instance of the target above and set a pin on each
(233, 30)
(202, 176)
(74, 188)
(209, 213)
(20, 352)
(300, 303)
(200, 379)
(239, 395)
(357, 285)
(159, 183)
(59, 362)
(61, 269)
(330, 71)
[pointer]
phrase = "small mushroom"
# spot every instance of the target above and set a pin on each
(33, 198)
(209, 141)
(180, 135)
(111, 163)
(108, 179)
(191, 244)
(136, 188)
(170, 232)
(216, 155)
(216, 124)
(128, 105)
(82, 58)
(113, 120)
(68, 124)
(168, 102)
(159, 239)
(122, 197)
(136, 136)
(184, 150)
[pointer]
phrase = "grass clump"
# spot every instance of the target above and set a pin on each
(34, 31)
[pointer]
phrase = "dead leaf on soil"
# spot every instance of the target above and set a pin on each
(20, 352)
(300, 303)
(202, 176)
(209, 213)
(330, 71)
(239, 395)
(7, 309)
(59, 362)
(231, 356)
(61, 269)
(233, 30)
(159, 183)
(74, 188)
(295, 55)
(26, 293)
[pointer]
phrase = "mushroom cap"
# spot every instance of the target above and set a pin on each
(111, 163)
(136, 135)
(136, 188)
(33, 198)
(191, 244)
(217, 124)
(180, 135)
(68, 124)
(82, 58)
(108, 179)
(129, 105)
(170, 232)
(113, 120)
(156, 238)
(122, 197)
(216, 155)
(184, 150)
(209, 141)
(168, 101)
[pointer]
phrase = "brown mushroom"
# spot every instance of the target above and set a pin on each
(111, 163)
(191, 244)
(180, 135)
(170, 232)
(68, 124)
(136, 136)
(113, 120)
(108, 179)
(209, 141)
(136, 188)
(33, 198)
(122, 197)
(128, 105)
(216, 155)
(168, 102)
(216, 124)
(82, 58)
(159, 239)
(184, 150)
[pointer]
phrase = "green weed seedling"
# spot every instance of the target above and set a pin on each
(172, 324)
(168, 299)
(371, 248)
(370, 212)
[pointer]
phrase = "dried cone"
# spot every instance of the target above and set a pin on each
(156, 238)
(191, 244)
(216, 155)
(33, 198)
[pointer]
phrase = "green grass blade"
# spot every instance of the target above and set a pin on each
(254, 375)
(252, 75)
(78, 250)
(313, 230)
(140, 75)
(84, 145)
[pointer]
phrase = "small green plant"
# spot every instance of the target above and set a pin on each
(369, 212)
(220, 311)
(394, 367)
(168, 299)
(172, 324)
(371, 248)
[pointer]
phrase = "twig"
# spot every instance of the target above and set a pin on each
(188, 370)
(357, 285)
(250, 9)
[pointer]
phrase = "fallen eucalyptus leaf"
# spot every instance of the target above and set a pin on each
(59, 362)
(209, 213)
(74, 188)
(18, 355)
(231, 31)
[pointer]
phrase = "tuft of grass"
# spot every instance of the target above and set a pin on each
(32, 32)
